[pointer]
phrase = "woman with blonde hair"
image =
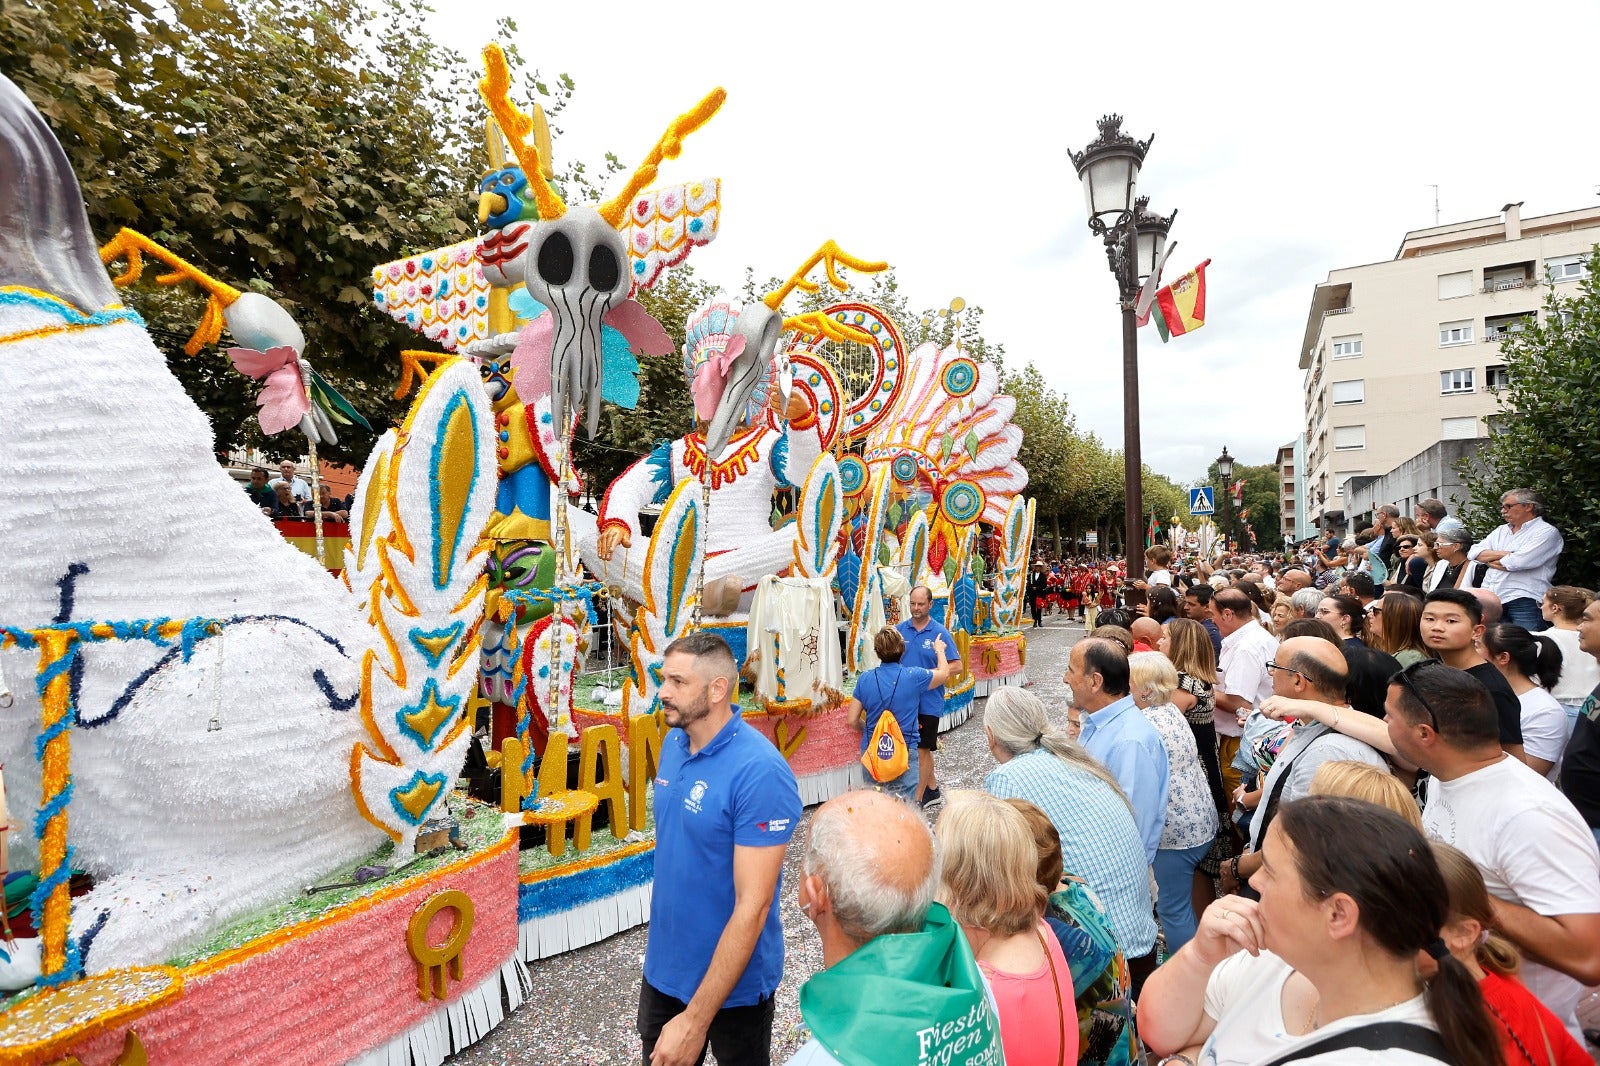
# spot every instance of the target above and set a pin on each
(1530, 1035)
(1100, 841)
(1192, 821)
(1281, 612)
(1188, 644)
(987, 867)
(1362, 781)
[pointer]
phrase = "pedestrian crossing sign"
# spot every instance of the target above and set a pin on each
(1201, 501)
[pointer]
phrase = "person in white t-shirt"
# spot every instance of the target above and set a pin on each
(1562, 606)
(1532, 664)
(1157, 564)
(1538, 857)
(1327, 954)
(1243, 683)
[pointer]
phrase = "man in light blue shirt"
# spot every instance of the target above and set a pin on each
(1521, 556)
(1117, 734)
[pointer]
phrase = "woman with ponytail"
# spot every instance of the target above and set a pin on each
(1532, 664)
(1100, 841)
(1322, 969)
(1530, 1035)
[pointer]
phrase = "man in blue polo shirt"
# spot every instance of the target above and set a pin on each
(726, 805)
(919, 632)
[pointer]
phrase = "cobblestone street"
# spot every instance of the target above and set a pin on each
(581, 1010)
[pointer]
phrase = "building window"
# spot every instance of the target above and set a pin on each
(1349, 438)
(1455, 333)
(1497, 326)
(1496, 377)
(1454, 381)
(1463, 428)
(1349, 391)
(1455, 285)
(1347, 347)
(1566, 268)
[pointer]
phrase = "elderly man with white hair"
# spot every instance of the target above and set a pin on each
(900, 982)
(1521, 556)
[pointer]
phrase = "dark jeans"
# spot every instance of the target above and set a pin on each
(741, 1036)
(1524, 611)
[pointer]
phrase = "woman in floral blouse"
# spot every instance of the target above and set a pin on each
(1191, 824)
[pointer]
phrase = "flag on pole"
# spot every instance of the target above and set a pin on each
(1152, 532)
(1238, 492)
(1181, 306)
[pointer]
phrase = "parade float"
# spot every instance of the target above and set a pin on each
(247, 839)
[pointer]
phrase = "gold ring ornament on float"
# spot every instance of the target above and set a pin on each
(962, 502)
(433, 962)
(960, 377)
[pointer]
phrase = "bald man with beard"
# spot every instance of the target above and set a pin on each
(1304, 668)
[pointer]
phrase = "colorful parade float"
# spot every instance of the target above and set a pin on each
(327, 819)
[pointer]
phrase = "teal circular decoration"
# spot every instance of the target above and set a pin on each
(904, 469)
(852, 474)
(963, 501)
(960, 377)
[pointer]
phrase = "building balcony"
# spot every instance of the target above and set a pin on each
(1507, 284)
(1337, 311)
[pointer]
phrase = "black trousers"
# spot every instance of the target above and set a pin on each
(1038, 612)
(741, 1036)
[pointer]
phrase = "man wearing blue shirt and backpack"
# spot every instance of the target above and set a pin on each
(726, 805)
(920, 632)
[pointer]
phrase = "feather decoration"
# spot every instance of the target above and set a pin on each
(421, 661)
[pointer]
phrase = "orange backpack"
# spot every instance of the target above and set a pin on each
(887, 756)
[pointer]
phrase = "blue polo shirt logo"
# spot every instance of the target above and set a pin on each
(691, 802)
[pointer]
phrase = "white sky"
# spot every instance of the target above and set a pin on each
(1293, 139)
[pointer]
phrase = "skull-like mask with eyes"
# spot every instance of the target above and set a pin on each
(576, 265)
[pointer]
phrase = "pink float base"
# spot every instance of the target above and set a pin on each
(344, 986)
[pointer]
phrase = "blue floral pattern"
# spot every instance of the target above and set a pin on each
(1191, 811)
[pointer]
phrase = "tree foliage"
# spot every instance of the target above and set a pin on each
(1262, 499)
(1547, 436)
(284, 146)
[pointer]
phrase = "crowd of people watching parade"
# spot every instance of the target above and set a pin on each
(1335, 804)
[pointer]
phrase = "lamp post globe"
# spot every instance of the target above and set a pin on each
(1225, 465)
(1109, 169)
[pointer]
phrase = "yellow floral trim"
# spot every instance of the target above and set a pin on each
(272, 941)
(728, 470)
(576, 865)
(44, 331)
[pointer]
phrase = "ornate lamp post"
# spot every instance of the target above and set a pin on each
(1225, 472)
(1134, 239)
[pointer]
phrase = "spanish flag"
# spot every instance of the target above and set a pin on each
(1182, 305)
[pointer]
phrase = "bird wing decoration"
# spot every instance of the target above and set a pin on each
(950, 419)
(442, 294)
(664, 225)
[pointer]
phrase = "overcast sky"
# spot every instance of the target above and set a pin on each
(1293, 139)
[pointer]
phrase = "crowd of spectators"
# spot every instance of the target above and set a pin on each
(288, 496)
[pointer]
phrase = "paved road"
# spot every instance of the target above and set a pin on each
(581, 1011)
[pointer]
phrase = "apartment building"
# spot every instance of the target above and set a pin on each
(1289, 493)
(1402, 354)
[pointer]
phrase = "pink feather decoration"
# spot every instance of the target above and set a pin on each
(711, 378)
(283, 400)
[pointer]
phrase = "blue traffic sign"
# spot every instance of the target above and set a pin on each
(1201, 501)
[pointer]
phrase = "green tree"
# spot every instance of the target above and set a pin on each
(1547, 437)
(1261, 498)
(284, 146)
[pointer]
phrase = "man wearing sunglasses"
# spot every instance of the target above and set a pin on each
(1302, 668)
(1537, 855)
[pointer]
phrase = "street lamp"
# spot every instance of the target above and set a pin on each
(1225, 472)
(1134, 238)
